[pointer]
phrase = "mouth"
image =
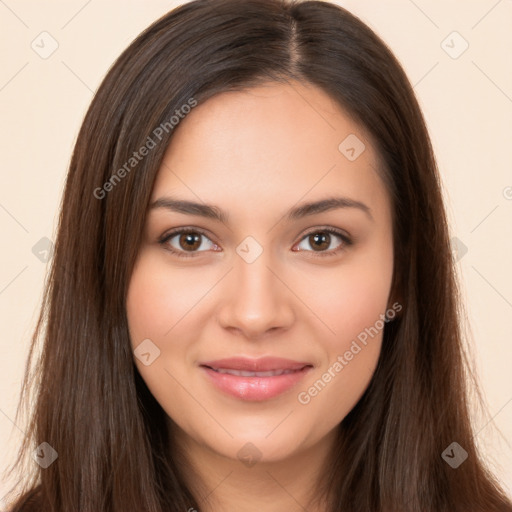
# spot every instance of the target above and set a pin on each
(242, 373)
(255, 379)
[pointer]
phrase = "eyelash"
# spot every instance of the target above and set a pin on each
(346, 241)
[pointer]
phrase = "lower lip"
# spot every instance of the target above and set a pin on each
(255, 388)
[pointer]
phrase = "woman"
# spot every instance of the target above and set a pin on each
(252, 303)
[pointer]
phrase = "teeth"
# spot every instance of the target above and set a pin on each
(242, 373)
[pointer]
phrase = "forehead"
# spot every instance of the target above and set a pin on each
(272, 142)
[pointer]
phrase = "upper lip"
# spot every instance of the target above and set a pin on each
(262, 364)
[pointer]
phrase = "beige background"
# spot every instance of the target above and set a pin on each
(467, 102)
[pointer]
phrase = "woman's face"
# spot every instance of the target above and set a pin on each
(267, 280)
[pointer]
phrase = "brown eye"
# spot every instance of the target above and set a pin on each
(323, 242)
(320, 241)
(186, 243)
(190, 241)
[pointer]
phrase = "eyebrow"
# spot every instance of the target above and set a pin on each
(214, 212)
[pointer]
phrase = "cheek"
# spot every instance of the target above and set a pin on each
(337, 387)
(156, 301)
(359, 307)
(163, 305)
(351, 354)
(347, 300)
(159, 297)
(352, 303)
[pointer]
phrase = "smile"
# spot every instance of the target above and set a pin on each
(254, 379)
(242, 373)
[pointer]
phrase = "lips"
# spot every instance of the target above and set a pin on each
(244, 373)
(255, 379)
(264, 364)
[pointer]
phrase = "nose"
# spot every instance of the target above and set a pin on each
(256, 298)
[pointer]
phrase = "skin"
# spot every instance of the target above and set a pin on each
(256, 154)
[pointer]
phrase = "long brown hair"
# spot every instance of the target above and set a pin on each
(90, 403)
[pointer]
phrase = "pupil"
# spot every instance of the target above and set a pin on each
(321, 237)
(191, 240)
